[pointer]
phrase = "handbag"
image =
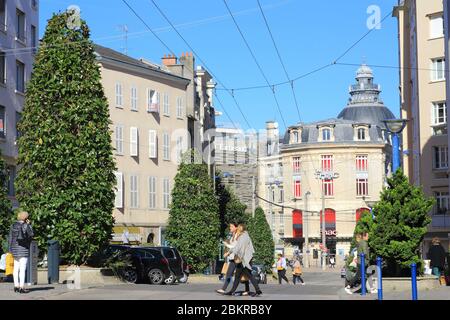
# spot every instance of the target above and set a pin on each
(224, 268)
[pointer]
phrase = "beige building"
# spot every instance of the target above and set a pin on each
(149, 132)
(423, 103)
(353, 154)
(19, 27)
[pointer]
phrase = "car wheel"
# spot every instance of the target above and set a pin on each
(170, 279)
(184, 279)
(130, 275)
(156, 276)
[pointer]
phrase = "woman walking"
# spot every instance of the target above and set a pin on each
(281, 268)
(20, 236)
(298, 272)
(230, 257)
(243, 254)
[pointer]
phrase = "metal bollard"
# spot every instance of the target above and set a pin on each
(380, 280)
(53, 261)
(363, 275)
(414, 281)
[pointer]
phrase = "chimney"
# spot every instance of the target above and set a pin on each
(272, 130)
(169, 60)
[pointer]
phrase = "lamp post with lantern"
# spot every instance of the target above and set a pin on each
(395, 127)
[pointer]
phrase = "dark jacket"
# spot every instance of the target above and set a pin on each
(20, 248)
(436, 254)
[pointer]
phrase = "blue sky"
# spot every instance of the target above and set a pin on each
(309, 34)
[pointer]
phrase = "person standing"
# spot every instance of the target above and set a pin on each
(20, 237)
(281, 268)
(436, 254)
(297, 273)
(243, 254)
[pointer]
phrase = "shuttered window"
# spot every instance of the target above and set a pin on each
(134, 139)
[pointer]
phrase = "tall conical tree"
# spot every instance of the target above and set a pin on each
(6, 214)
(67, 178)
(261, 235)
(194, 224)
(401, 220)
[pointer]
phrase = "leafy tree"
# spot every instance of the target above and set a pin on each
(67, 178)
(261, 235)
(6, 214)
(231, 209)
(401, 220)
(194, 226)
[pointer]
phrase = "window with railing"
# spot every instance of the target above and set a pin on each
(362, 187)
(297, 189)
(361, 163)
(440, 157)
(439, 118)
(296, 164)
(441, 206)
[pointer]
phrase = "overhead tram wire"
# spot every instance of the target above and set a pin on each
(281, 60)
(257, 63)
(171, 51)
(202, 61)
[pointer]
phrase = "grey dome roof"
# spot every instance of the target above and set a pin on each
(367, 114)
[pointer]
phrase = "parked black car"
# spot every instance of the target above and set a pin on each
(156, 265)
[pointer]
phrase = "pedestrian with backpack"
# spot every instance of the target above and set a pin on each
(19, 241)
(281, 268)
(297, 273)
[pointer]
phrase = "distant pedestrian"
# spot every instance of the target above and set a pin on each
(297, 273)
(332, 262)
(125, 237)
(281, 268)
(243, 254)
(19, 241)
(436, 254)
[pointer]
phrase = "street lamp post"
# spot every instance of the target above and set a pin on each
(324, 175)
(306, 251)
(395, 127)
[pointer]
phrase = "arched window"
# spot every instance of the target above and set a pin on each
(326, 134)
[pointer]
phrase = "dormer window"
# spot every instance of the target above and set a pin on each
(361, 133)
(326, 134)
(295, 136)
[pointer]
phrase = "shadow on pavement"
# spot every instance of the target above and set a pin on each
(40, 289)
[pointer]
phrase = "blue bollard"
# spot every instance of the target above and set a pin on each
(363, 275)
(380, 280)
(414, 281)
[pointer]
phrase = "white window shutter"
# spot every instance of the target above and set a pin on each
(134, 141)
(152, 144)
(119, 191)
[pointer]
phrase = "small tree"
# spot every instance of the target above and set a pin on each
(66, 181)
(364, 225)
(194, 225)
(261, 235)
(231, 209)
(6, 214)
(401, 220)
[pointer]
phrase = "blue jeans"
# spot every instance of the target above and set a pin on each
(436, 271)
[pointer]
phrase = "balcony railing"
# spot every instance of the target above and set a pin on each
(440, 221)
(364, 86)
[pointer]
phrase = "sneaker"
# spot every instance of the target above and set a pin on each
(220, 291)
(303, 283)
(245, 293)
(348, 290)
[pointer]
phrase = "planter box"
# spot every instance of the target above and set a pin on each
(404, 284)
(82, 276)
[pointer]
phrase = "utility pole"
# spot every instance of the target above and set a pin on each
(306, 253)
(330, 176)
(253, 197)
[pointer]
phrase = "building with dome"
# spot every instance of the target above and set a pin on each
(353, 151)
